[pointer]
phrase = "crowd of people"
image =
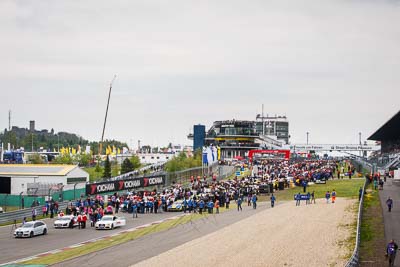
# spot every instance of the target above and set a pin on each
(204, 194)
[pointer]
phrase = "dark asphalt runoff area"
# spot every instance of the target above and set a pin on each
(17, 248)
(391, 219)
(151, 245)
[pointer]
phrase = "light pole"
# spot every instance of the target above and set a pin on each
(359, 135)
(307, 137)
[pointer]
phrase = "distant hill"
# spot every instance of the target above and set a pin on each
(23, 137)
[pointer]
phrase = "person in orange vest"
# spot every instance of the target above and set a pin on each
(79, 221)
(217, 206)
(333, 194)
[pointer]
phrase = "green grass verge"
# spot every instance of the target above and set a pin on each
(372, 228)
(116, 240)
(349, 243)
(344, 188)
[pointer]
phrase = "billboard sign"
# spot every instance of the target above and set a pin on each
(120, 185)
(334, 147)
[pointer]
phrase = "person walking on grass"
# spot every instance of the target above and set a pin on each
(34, 214)
(389, 203)
(304, 184)
(360, 191)
(391, 250)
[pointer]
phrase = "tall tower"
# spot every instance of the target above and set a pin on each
(32, 126)
(199, 135)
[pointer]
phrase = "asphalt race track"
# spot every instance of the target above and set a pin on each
(17, 248)
(151, 245)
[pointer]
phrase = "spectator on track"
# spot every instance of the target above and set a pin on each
(254, 200)
(333, 196)
(327, 196)
(273, 198)
(389, 203)
(312, 197)
(298, 198)
(239, 204)
(391, 251)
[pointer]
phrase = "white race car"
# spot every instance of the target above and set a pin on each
(31, 229)
(110, 222)
(65, 221)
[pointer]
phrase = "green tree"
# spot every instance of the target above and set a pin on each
(98, 168)
(63, 159)
(126, 166)
(84, 159)
(35, 159)
(182, 162)
(135, 162)
(107, 168)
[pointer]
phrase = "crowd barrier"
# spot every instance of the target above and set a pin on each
(355, 257)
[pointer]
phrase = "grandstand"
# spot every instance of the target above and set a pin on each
(389, 137)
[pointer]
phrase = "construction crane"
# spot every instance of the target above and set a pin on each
(105, 119)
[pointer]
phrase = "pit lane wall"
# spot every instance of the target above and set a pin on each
(69, 192)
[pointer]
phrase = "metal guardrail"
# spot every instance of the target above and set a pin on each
(355, 257)
(9, 217)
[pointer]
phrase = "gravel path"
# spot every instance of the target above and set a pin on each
(284, 236)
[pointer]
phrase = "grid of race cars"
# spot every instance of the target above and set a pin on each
(266, 175)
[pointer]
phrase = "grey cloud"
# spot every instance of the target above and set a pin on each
(325, 64)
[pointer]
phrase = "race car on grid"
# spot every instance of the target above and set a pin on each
(110, 222)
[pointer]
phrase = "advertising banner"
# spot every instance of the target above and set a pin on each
(334, 147)
(142, 182)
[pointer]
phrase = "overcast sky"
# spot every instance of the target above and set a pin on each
(332, 67)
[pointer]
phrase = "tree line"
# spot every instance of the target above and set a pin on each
(32, 141)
